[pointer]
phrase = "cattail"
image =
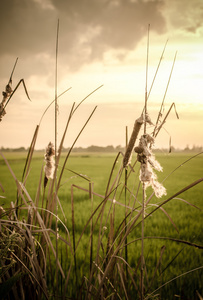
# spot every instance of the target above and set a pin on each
(50, 163)
(148, 163)
(6, 94)
(131, 144)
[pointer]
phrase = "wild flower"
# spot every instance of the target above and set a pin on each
(148, 163)
(50, 163)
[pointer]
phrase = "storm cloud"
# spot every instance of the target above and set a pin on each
(88, 28)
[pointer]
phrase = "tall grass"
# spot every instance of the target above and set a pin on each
(45, 255)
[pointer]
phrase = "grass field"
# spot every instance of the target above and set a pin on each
(178, 220)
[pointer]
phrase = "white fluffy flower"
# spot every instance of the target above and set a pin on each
(148, 163)
(50, 163)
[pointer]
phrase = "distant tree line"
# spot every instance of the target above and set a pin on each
(20, 149)
(110, 149)
(94, 148)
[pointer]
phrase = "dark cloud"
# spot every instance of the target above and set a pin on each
(188, 17)
(88, 28)
(194, 28)
(25, 27)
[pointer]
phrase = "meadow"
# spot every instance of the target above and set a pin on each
(172, 234)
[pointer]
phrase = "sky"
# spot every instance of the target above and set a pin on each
(102, 43)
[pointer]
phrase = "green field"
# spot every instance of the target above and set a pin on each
(179, 220)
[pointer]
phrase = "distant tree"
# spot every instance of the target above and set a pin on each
(187, 148)
(109, 148)
(95, 149)
(119, 148)
(20, 149)
(196, 148)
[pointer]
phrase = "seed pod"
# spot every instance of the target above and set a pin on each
(138, 149)
(131, 144)
(50, 163)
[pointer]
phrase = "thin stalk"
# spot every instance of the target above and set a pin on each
(28, 162)
(142, 243)
(52, 103)
(56, 129)
(101, 234)
(126, 183)
(56, 102)
(164, 120)
(73, 231)
(64, 164)
(160, 111)
(145, 123)
(87, 97)
(10, 80)
(156, 72)
(91, 184)
(144, 187)
(157, 69)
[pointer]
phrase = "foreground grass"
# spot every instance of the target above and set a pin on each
(185, 222)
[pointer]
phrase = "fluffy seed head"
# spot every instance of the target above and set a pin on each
(148, 163)
(50, 163)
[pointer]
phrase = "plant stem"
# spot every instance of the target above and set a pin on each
(145, 123)
(144, 187)
(56, 102)
(91, 184)
(126, 182)
(56, 115)
(142, 243)
(162, 104)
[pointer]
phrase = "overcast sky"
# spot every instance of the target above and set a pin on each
(101, 42)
